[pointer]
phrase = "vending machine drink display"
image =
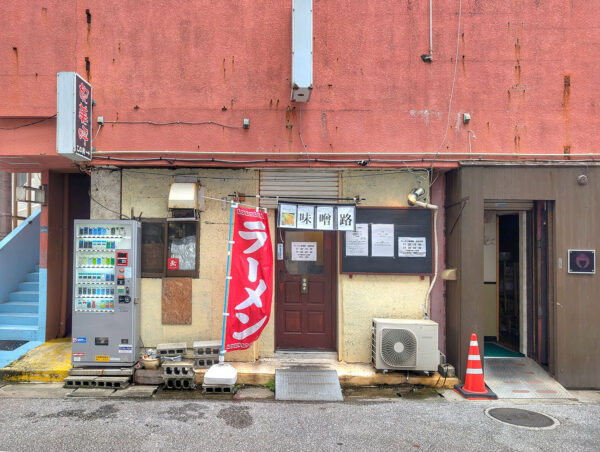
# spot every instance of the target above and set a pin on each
(106, 285)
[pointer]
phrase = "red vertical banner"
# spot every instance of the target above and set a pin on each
(251, 284)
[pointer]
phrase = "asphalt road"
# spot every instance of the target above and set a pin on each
(383, 424)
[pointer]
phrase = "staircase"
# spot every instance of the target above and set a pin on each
(19, 316)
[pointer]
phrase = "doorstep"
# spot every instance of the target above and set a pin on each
(51, 361)
(261, 372)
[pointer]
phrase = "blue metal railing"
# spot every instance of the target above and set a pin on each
(19, 253)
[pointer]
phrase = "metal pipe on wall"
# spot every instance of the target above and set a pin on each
(358, 155)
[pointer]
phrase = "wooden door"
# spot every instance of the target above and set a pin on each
(305, 303)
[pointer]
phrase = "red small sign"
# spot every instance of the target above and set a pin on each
(173, 263)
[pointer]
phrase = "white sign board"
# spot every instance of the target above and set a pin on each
(346, 217)
(382, 240)
(325, 218)
(357, 242)
(73, 117)
(306, 217)
(287, 215)
(304, 251)
(412, 247)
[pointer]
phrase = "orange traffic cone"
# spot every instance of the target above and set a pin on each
(474, 387)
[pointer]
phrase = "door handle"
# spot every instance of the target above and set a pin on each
(304, 285)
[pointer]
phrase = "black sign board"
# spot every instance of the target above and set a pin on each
(405, 233)
(582, 261)
(83, 129)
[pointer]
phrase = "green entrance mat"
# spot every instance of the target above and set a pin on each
(493, 350)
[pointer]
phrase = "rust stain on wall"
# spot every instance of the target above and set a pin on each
(566, 91)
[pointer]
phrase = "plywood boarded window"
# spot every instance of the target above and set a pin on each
(177, 301)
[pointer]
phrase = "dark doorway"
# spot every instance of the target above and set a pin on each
(508, 282)
(68, 199)
(305, 303)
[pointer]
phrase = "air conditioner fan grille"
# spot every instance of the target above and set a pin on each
(398, 347)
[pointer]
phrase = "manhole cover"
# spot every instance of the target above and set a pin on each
(522, 418)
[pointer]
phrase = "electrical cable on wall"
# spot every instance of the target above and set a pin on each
(171, 123)
(452, 88)
(316, 178)
(29, 124)
(121, 216)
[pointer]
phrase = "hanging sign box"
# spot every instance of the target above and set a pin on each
(317, 217)
(73, 117)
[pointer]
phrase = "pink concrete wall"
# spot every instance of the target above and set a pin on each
(525, 74)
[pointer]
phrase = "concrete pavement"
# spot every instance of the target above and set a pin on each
(435, 423)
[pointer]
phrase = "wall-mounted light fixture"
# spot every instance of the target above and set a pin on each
(413, 200)
(414, 196)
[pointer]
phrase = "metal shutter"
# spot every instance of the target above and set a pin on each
(298, 185)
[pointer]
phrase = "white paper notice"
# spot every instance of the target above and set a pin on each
(357, 242)
(412, 247)
(382, 240)
(304, 251)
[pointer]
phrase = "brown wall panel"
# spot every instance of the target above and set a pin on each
(54, 254)
(576, 225)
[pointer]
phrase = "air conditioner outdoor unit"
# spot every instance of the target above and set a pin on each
(405, 344)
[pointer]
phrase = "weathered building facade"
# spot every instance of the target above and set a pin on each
(492, 112)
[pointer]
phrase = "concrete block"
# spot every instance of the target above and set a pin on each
(99, 372)
(148, 377)
(177, 369)
(217, 389)
(91, 392)
(207, 348)
(82, 381)
(171, 349)
(205, 362)
(136, 392)
(112, 382)
(179, 383)
(35, 390)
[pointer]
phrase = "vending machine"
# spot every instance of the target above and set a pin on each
(106, 292)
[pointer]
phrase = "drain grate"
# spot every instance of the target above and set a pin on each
(302, 383)
(522, 418)
(9, 345)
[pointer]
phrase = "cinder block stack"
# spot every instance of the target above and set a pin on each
(206, 353)
(179, 374)
(171, 350)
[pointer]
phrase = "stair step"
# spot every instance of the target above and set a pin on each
(23, 307)
(24, 295)
(18, 332)
(33, 286)
(33, 276)
(18, 318)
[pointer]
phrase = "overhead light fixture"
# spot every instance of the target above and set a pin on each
(414, 195)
